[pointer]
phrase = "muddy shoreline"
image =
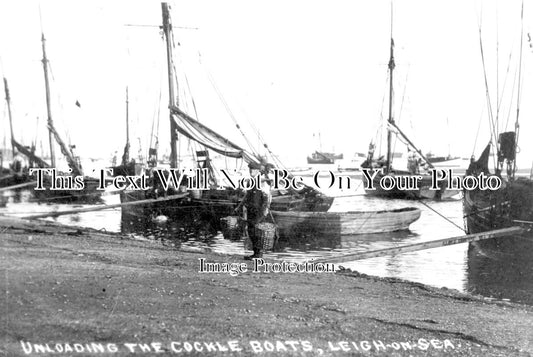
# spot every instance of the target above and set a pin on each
(81, 292)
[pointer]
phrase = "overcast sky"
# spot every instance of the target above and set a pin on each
(293, 68)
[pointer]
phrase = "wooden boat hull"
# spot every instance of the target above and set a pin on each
(89, 194)
(501, 267)
(11, 179)
(344, 223)
(509, 206)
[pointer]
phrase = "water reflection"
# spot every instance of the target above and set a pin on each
(188, 228)
(500, 274)
(11, 197)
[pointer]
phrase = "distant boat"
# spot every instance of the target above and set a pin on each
(354, 164)
(440, 159)
(320, 157)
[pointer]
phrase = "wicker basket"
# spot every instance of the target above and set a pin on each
(266, 234)
(231, 228)
(196, 194)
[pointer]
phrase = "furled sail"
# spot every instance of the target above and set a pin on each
(205, 136)
(76, 169)
(29, 154)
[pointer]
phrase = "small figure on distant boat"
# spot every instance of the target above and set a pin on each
(413, 162)
(372, 163)
(256, 201)
(370, 156)
(114, 158)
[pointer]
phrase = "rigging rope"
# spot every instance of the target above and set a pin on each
(228, 110)
(494, 132)
(510, 106)
(519, 93)
(503, 90)
(477, 133)
(441, 215)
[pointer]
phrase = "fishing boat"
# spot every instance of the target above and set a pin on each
(213, 200)
(322, 157)
(384, 164)
(63, 194)
(434, 159)
(16, 172)
(507, 261)
(292, 210)
(294, 223)
(512, 203)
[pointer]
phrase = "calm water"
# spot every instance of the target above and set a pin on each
(454, 267)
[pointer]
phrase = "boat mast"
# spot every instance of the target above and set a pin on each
(8, 100)
(518, 95)
(391, 119)
(126, 154)
(173, 101)
(49, 110)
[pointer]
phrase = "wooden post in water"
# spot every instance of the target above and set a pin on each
(422, 245)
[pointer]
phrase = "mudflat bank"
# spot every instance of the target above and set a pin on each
(78, 292)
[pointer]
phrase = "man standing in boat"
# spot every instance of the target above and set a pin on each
(256, 201)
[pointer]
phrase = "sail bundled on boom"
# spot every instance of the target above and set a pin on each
(25, 151)
(207, 137)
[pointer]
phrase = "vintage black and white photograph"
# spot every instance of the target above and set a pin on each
(271, 178)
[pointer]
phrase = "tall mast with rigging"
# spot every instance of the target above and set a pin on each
(52, 132)
(517, 125)
(48, 108)
(15, 146)
(8, 100)
(391, 119)
(173, 101)
(126, 154)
